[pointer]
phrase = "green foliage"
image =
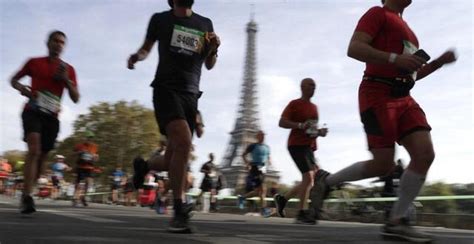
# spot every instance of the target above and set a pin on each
(438, 189)
(122, 131)
(464, 206)
(13, 156)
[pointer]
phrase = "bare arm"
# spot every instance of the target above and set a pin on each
(141, 54)
(211, 61)
(212, 42)
(288, 124)
(244, 157)
(360, 49)
(18, 86)
(446, 58)
(66, 74)
(204, 170)
(73, 91)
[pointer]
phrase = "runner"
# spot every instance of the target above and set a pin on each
(50, 75)
(260, 154)
(117, 183)
(209, 182)
(5, 171)
(301, 116)
(390, 49)
(87, 156)
(128, 191)
(186, 42)
(57, 177)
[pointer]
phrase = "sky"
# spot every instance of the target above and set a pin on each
(295, 39)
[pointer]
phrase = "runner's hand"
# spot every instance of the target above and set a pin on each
(212, 41)
(323, 132)
(61, 74)
(307, 125)
(447, 57)
(25, 91)
(409, 62)
(132, 60)
(199, 130)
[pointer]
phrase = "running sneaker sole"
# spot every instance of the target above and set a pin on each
(298, 222)
(187, 230)
(394, 236)
(28, 211)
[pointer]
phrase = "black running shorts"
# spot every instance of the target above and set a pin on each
(83, 174)
(46, 125)
(173, 105)
(303, 157)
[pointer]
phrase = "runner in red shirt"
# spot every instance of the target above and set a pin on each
(87, 156)
(301, 116)
(385, 42)
(5, 171)
(49, 77)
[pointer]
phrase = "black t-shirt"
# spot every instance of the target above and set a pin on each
(208, 167)
(181, 49)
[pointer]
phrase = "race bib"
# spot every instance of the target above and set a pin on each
(88, 157)
(48, 102)
(186, 40)
(410, 48)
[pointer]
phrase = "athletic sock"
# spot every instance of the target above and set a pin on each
(351, 173)
(410, 185)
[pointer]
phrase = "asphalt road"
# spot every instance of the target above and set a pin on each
(59, 222)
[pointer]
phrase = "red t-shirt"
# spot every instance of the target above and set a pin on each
(91, 148)
(301, 111)
(390, 33)
(41, 70)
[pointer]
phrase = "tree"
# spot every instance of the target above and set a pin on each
(122, 131)
(438, 189)
(13, 157)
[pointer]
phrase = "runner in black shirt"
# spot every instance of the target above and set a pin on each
(186, 41)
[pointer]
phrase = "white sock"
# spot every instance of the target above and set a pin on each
(351, 173)
(410, 185)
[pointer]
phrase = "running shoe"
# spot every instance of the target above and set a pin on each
(84, 202)
(188, 208)
(213, 208)
(27, 205)
(280, 203)
(406, 232)
(266, 212)
(180, 224)
(305, 217)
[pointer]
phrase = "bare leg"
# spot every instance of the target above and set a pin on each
(30, 169)
(159, 162)
(263, 193)
(304, 187)
(42, 165)
(179, 147)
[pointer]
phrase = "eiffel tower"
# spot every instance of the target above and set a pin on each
(247, 123)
